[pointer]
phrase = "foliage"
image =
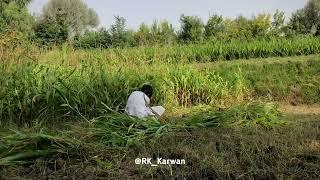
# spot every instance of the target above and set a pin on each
(261, 25)
(20, 3)
(61, 18)
(158, 33)
(74, 14)
(96, 39)
(307, 20)
(192, 29)
(50, 33)
(166, 33)
(278, 27)
(120, 36)
(143, 36)
(246, 29)
(214, 26)
(14, 15)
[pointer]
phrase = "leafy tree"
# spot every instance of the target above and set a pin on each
(162, 33)
(192, 29)
(260, 25)
(214, 26)
(120, 36)
(307, 20)
(142, 36)
(20, 3)
(278, 26)
(246, 29)
(167, 33)
(130, 38)
(240, 28)
(14, 15)
(74, 14)
(98, 39)
(50, 33)
(158, 33)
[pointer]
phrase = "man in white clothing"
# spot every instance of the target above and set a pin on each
(138, 104)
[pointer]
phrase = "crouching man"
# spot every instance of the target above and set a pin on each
(138, 104)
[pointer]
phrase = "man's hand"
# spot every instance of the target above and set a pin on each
(148, 106)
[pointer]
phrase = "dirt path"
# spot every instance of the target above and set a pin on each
(300, 109)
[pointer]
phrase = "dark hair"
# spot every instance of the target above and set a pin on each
(148, 90)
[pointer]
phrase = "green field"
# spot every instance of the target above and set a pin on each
(61, 113)
(52, 87)
(241, 94)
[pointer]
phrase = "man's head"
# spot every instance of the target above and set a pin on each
(148, 90)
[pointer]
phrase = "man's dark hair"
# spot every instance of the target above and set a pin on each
(148, 90)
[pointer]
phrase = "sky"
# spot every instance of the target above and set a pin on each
(138, 11)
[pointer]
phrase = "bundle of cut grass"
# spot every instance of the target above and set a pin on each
(121, 130)
(252, 113)
(24, 147)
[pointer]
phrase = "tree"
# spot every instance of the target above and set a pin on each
(74, 14)
(260, 25)
(14, 15)
(120, 36)
(192, 29)
(214, 26)
(278, 27)
(241, 28)
(142, 36)
(50, 33)
(21, 3)
(94, 39)
(158, 33)
(307, 20)
(167, 33)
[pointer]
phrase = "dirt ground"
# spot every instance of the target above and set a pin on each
(300, 109)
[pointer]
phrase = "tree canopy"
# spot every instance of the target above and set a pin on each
(14, 15)
(307, 20)
(74, 14)
(192, 29)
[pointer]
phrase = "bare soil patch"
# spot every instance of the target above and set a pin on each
(300, 109)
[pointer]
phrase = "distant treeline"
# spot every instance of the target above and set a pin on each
(71, 21)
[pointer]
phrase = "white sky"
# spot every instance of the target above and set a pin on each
(138, 11)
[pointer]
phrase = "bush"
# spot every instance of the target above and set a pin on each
(89, 40)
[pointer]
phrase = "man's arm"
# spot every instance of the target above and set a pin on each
(148, 106)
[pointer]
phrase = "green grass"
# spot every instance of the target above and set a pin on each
(61, 111)
(36, 90)
(206, 52)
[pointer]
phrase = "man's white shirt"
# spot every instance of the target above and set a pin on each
(138, 103)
